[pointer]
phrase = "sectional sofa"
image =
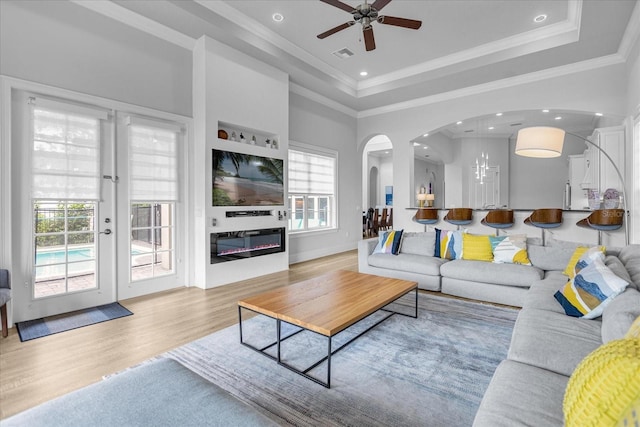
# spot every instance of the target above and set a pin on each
(529, 386)
(498, 283)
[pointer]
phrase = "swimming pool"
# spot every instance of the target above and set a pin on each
(57, 256)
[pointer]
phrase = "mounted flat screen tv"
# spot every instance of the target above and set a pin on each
(246, 180)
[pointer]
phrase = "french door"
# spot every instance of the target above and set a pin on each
(65, 218)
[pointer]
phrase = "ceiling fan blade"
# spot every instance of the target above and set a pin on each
(336, 29)
(340, 5)
(369, 40)
(400, 22)
(379, 4)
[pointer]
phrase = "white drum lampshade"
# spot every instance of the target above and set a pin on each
(540, 141)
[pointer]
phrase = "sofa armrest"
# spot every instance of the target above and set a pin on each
(365, 248)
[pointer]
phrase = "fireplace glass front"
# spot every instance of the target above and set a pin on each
(233, 245)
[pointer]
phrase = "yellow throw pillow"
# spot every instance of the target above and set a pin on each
(476, 248)
(604, 389)
(577, 254)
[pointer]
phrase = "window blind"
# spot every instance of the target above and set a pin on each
(311, 173)
(153, 161)
(66, 151)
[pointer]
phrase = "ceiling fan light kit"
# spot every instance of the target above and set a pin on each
(365, 14)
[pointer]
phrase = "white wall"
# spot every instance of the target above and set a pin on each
(633, 139)
(315, 124)
(603, 89)
(61, 44)
(547, 189)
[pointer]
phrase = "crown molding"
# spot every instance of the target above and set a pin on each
(270, 36)
(321, 99)
(560, 33)
(135, 20)
(631, 33)
(550, 73)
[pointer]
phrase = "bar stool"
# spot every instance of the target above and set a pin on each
(498, 219)
(459, 216)
(545, 218)
(426, 216)
(603, 220)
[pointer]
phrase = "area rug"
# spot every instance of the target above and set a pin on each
(38, 328)
(430, 371)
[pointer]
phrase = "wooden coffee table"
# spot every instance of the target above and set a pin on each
(326, 305)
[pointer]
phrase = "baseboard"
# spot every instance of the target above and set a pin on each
(321, 252)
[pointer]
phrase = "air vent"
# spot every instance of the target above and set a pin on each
(343, 53)
(468, 131)
(515, 124)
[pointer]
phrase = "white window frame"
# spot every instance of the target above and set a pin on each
(334, 208)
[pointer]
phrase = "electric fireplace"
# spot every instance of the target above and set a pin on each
(233, 245)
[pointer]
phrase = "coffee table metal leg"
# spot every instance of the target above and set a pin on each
(329, 364)
(278, 335)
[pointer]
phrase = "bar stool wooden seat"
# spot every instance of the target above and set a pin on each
(545, 218)
(499, 219)
(603, 220)
(426, 216)
(459, 216)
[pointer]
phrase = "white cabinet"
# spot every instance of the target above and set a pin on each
(611, 140)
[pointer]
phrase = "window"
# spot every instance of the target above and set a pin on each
(312, 180)
(153, 191)
(65, 187)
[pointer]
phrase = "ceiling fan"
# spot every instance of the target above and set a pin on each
(365, 14)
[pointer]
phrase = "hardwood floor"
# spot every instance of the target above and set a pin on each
(35, 371)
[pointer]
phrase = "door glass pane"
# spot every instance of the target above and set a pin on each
(152, 249)
(65, 250)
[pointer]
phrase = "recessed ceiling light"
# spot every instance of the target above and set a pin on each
(459, 122)
(545, 111)
(558, 118)
(386, 152)
(498, 114)
(425, 135)
(491, 128)
(426, 147)
(277, 17)
(599, 114)
(540, 18)
(416, 144)
(364, 73)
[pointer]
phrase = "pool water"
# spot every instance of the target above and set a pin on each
(75, 255)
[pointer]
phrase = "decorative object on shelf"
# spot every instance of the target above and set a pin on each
(222, 134)
(242, 138)
(594, 198)
(274, 144)
(267, 143)
(421, 198)
(430, 199)
(611, 198)
(547, 142)
(233, 136)
(253, 140)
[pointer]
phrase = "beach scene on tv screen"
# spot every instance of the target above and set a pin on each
(246, 180)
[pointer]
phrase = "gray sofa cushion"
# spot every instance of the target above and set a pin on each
(548, 257)
(408, 262)
(522, 395)
(619, 314)
(488, 272)
(630, 257)
(418, 243)
(553, 341)
(540, 295)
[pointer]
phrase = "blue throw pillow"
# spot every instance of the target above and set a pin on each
(389, 242)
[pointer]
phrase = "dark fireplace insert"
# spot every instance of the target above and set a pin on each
(233, 245)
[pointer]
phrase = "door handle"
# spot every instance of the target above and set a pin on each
(107, 231)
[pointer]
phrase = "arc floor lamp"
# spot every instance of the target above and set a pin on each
(547, 142)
